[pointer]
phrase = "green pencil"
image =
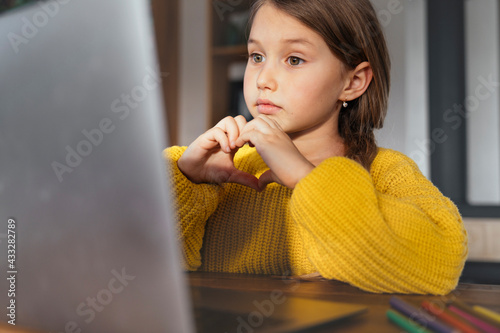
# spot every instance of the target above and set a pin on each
(405, 323)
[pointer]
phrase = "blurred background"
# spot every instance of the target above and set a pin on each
(444, 108)
(9, 4)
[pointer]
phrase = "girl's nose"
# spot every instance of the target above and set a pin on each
(266, 78)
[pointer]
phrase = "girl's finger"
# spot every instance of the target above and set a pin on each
(256, 130)
(266, 178)
(243, 178)
(256, 124)
(231, 127)
(241, 122)
(270, 122)
(218, 135)
(244, 138)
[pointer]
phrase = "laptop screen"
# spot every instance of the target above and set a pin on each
(83, 187)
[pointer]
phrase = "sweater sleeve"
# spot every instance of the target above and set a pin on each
(193, 204)
(391, 231)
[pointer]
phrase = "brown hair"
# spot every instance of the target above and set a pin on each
(353, 33)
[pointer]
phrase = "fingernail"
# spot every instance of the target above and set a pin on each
(233, 144)
(228, 149)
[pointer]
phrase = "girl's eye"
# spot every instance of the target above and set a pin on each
(295, 61)
(257, 58)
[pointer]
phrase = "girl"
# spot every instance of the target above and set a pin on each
(303, 188)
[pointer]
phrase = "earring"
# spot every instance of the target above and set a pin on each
(345, 104)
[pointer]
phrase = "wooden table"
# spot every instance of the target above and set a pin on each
(373, 320)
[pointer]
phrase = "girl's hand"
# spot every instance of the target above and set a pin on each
(209, 159)
(287, 165)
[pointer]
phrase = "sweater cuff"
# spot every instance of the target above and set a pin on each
(180, 182)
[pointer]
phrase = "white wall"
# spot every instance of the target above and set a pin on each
(483, 101)
(406, 124)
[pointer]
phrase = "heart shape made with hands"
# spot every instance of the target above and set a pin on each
(210, 158)
(230, 174)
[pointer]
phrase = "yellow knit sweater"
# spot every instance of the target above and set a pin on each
(389, 230)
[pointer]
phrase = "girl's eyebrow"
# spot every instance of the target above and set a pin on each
(297, 41)
(252, 41)
(286, 41)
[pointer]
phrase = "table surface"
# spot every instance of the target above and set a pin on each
(373, 320)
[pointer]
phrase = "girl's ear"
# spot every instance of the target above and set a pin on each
(358, 81)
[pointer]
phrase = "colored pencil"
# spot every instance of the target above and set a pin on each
(466, 308)
(446, 316)
(474, 320)
(420, 316)
(487, 312)
(405, 323)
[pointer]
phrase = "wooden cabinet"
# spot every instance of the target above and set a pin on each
(166, 24)
(227, 46)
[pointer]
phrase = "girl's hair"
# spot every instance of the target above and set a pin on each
(353, 33)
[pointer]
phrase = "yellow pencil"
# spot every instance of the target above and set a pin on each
(487, 312)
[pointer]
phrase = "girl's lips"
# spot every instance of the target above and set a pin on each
(267, 107)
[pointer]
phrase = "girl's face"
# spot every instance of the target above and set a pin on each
(292, 76)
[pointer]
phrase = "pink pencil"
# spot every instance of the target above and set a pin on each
(474, 320)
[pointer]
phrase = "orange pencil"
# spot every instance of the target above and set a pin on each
(446, 316)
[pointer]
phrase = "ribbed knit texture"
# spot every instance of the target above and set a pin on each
(389, 230)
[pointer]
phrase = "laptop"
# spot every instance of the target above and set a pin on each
(87, 237)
